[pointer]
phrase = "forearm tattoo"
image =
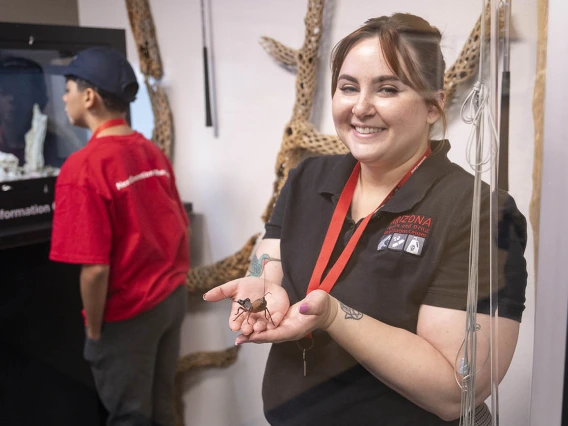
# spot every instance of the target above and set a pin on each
(351, 313)
(257, 264)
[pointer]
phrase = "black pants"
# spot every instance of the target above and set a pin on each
(134, 363)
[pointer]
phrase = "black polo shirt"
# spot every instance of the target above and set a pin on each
(414, 251)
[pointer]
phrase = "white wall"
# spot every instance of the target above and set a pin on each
(229, 178)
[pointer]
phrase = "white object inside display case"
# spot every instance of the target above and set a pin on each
(34, 142)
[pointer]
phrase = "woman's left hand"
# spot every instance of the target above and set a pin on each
(317, 310)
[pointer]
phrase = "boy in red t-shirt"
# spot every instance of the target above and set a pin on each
(119, 215)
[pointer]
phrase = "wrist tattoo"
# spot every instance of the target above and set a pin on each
(351, 313)
(257, 264)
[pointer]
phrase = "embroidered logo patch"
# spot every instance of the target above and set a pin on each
(397, 242)
(384, 242)
(406, 233)
(414, 245)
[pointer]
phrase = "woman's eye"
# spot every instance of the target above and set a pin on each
(348, 89)
(388, 90)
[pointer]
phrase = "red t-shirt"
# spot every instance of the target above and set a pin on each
(116, 204)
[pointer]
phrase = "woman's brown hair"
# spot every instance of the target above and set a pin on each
(411, 48)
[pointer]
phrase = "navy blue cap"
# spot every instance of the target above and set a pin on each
(106, 69)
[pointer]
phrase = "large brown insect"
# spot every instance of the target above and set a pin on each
(258, 305)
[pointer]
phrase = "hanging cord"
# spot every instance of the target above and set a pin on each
(467, 368)
(474, 112)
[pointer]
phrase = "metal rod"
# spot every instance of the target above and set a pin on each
(506, 35)
(208, 119)
(212, 73)
(503, 178)
(504, 131)
(495, 182)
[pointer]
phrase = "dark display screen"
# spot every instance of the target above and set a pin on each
(36, 136)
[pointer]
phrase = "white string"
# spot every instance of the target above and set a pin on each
(475, 104)
(468, 367)
(460, 370)
(480, 159)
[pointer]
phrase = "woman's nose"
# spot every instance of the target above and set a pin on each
(363, 107)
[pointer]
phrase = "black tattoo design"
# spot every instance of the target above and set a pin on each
(256, 266)
(351, 313)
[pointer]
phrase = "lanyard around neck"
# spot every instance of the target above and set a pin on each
(107, 125)
(336, 224)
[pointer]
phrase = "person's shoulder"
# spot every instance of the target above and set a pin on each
(320, 163)
(137, 139)
(114, 146)
(75, 171)
(75, 163)
(133, 137)
(458, 185)
(457, 172)
(94, 156)
(454, 181)
(313, 173)
(508, 209)
(450, 188)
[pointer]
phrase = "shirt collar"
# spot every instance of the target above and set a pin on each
(413, 191)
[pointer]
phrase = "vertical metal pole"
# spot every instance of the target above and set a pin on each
(208, 120)
(503, 169)
(493, 106)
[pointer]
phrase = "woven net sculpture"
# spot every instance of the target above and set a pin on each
(142, 25)
(538, 118)
(467, 63)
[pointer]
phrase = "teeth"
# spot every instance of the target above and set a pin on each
(367, 129)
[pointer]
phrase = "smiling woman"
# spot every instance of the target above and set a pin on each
(368, 301)
(383, 121)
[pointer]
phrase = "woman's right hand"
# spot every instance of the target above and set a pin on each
(317, 310)
(254, 289)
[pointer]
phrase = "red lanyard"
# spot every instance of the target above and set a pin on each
(336, 224)
(108, 124)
